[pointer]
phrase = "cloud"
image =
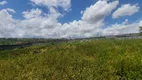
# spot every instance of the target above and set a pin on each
(3, 2)
(37, 23)
(125, 22)
(47, 25)
(7, 24)
(65, 4)
(126, 10)
(10, 10)
(99, 11)
(140, 23)
(123, 28)
(53, 7)
(33, 13)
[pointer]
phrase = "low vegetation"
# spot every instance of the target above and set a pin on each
(105, 59)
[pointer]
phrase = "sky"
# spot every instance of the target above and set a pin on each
(69, 18)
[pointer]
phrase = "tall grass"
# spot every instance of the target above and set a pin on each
(91, 60)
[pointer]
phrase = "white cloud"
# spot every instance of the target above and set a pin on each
(65, 4)
(49, 27)
(53, 6)
(7, 24)
(125, 22)
(99, 11)
(3, 2)
(140, 24)
(116, 29)
(126, 10)
(10, 10)
(32, 13)
(37, 23)
(40, 24)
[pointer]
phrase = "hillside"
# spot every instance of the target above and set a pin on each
(104, 59)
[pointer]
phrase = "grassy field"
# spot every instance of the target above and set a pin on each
(105, 59)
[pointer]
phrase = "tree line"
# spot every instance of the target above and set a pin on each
(140, 27)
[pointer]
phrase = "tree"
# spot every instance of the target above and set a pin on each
(140, 30)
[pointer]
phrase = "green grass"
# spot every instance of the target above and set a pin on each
(91, 60)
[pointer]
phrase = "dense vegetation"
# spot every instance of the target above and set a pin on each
(10, 41)
(15, 41)
(140, 30)
(105, 59)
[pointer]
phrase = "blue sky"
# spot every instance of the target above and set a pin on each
(63, 19)
(77, 6)
(23, 5)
